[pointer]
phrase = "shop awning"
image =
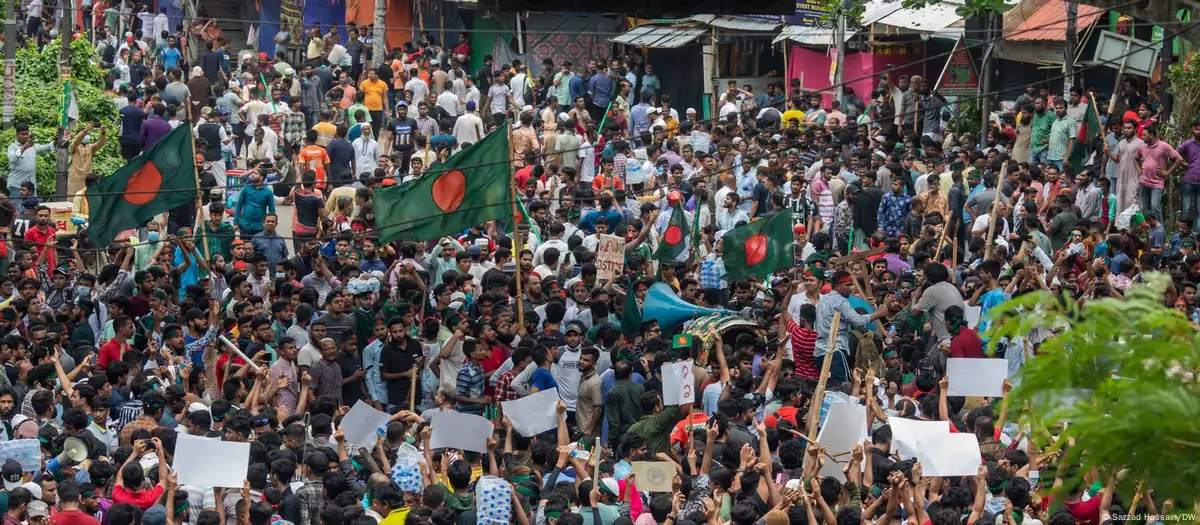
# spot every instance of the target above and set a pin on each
(809, 36)
(739, 23)
(1038, 20)
(661, 37)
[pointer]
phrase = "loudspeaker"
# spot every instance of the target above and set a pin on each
(669, 310)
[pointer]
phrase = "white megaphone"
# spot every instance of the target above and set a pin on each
(74, 450)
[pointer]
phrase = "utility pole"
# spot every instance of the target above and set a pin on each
(986, 74)
(65, 74)
(1070, 43)
(10, 62)
(1166, 58)
(839, 35)
(379, 38)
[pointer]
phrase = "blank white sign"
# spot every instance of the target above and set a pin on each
(908, 433)
(845, 426)
(208, 462)
(976, 377)
(534, 413)
(461, 431)
(944, 455)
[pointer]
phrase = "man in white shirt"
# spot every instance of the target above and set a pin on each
(366, 151)
(518, 84)
(419, 88)
(449, 101)
(468, 128)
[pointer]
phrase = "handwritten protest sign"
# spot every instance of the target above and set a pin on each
(610, 257)
(679, 385)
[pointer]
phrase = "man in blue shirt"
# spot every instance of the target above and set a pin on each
(542, 379)
(578, 83)
(253, 204)
(169, 57)
(600, 87)
(269, 243)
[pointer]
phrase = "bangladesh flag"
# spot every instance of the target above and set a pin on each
(759, 248)
(1090, 131)
(160, 179)
(672, 243)
(470, 188)
(631, 313)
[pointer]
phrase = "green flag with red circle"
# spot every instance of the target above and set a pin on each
(162, 178)
(758, 249)
(472, 187)
(672, 243)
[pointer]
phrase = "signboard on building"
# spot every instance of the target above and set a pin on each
(808, 14)
(959, 76)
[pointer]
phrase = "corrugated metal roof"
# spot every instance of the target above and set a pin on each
(659, 36)
(932, 18)
(1034, 20)
(810, 36)
(739, 23)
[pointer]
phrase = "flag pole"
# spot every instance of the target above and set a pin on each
(518, 243)
(199, 196)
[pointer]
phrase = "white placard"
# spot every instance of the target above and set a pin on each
(27, 452)
(679, 385)
(207, 462)
(534, 413)
(908, 433)
(948, 454)
(845, 426)
(458, 430)
(610, 257)
(976, 377)
(361, 423)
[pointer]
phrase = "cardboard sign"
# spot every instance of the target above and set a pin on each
(845, 426)
(534, 413)
(461, 431)
(27, 452)
(944, 455)
(679, 385)
(207, 462)
(610, 257)
(976, 377)
(654, 476)
(908, 433)
(361, 423)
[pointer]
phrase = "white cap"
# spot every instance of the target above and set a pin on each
(289, 71)
(527, 108)
(691, 111)
(652, 110)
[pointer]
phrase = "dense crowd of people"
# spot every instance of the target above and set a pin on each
(930, 229)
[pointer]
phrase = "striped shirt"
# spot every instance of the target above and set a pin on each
(470, 384)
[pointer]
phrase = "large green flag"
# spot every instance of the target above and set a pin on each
(160, 179)
(631, 313)
(1090, 131)
(672, 242)
(759, 248)
(470, 188)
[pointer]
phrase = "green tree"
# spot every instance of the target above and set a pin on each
(1123, 375)
(39, 94)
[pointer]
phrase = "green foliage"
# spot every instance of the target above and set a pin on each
(1124, 375)
(969, 9)
(852, 9)
(38, 100)
(1184, 87)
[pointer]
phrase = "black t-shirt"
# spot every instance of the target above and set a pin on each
(402, 133)
(763, 197)
(399, 357)
(350, 363)
(341, 157)
(307, 209)
(210, 62)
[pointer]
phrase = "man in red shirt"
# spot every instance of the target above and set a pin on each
(131, 478)
(42, 235)
(69, 501)
(116, 347)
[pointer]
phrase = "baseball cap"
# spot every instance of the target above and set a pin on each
(11, 473)
(38, 509)
(471, 105)
(575, 326)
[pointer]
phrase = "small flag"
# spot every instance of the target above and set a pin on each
(682, 341)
